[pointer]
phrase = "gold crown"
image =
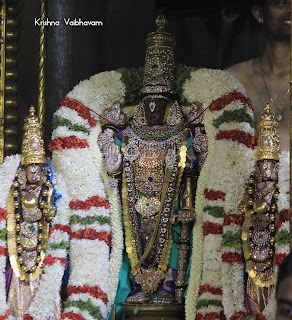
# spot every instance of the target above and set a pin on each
(33, 150)
(268, 142)
(159, 62)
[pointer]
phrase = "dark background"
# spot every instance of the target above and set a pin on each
(213, 34)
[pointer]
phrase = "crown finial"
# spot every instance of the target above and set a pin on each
(33, 150)
(269, 141)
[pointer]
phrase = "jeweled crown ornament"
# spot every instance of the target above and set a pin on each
(159, 62)
(33, 150)
(269, 141)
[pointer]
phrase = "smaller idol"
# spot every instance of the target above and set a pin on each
(30, 210)
(260, 211)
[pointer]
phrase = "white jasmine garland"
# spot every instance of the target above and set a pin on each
(100, 91)
(72, 116)
(116, 219)
(62, 131)
(197, 254)
(201, 86)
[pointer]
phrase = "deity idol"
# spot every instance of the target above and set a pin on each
(30, 210)
(157, 168)
(260, 216)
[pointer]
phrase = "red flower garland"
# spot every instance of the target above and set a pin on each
(282, 216)
(96, 292)
(80, 108)
(49, 260)
(279, 257)
(27, 317)
(207, 288)
(208, 316)
(91, 234)
(222, 102)
(70, 142)
(233, 219)
(3, 214)
(232, 257)
(94, 201)
(213, 228)
(72, 315)
(2, 251)
(239, 315)
(247, 139)
(214, 195)
(60, 227)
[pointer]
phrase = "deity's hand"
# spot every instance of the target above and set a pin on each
(113, 159)
(49, 211)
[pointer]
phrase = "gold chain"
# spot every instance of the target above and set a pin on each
(279, 109)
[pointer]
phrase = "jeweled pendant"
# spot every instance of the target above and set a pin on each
(279, 117)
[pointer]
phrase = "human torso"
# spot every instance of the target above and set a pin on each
(249, 74)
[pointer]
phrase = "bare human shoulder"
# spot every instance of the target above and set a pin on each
(243, 71)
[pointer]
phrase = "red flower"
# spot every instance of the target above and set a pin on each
(213, 228)
(214, 195)
(94, 201)
(222, 102)
(96, 292)
(207, 288)
(260, 317)
(83, 112)
(232, 257)
(233, 219)
(61, 227)
(27, 317)
(239, 315)
(70, 142)
(49, 260)
(2, 251)
(3, 214)
(279, 257)
(208, 316)
(247, 139)
(71, 315)
(92, 234)
(282, 216)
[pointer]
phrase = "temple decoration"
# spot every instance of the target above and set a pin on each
(8, 77)
(37, 238)
(260, 212)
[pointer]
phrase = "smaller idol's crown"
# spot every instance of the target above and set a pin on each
(33, 150)
(159, 62)
(268, 142)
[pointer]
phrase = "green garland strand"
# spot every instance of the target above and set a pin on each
(85, 306)
(230, 239)
(207, 302)
(216, 212)
(90, 220)
(234, 116)
(60, 121)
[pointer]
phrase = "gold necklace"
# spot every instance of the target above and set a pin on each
(279, 115)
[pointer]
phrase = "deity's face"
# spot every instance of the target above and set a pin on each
(276, 17)
(33, 173)
(284, 299)
(155, 109)
(267, 170)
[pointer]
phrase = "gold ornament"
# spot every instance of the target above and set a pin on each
(159, 61)
(269, 140)
(33, 150)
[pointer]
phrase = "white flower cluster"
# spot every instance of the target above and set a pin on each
(236, 161)
(100, 91)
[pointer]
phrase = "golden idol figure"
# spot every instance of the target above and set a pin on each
(260, 209)
(30, 209)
